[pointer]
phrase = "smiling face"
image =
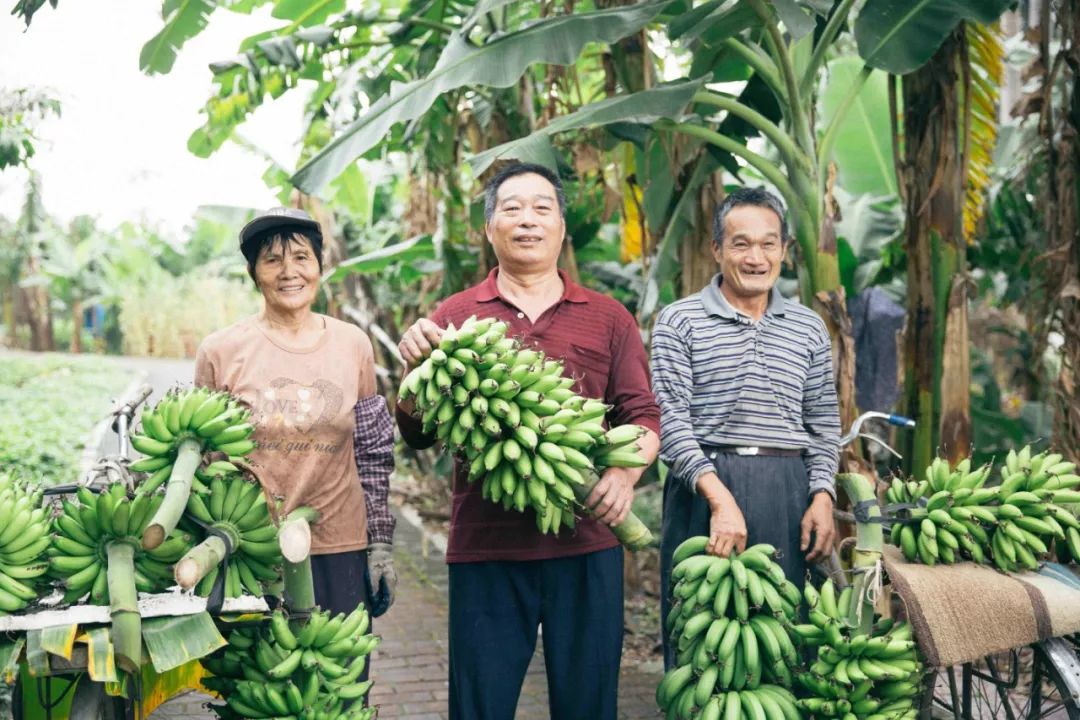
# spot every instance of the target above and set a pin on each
(752, 251)
(287, 273)
(526, 229)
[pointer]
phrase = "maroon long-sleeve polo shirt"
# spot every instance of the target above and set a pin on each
(599, 344)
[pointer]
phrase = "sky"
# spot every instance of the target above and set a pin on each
(119, 150)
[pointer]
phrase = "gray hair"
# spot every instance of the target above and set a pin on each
(491, 190)
(758, 197)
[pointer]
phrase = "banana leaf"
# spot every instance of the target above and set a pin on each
(9, 659)
(60, 639)
(863, 150)
(117, 688)
(899, 36)
(174, 641)
(647, 106)
(101, 663)
(158, 688)
(37, 658)
(186, 20)
(500, 62)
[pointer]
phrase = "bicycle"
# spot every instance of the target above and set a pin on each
(89, 699)
(1039, 680)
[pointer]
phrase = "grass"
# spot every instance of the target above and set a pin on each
(48, 406)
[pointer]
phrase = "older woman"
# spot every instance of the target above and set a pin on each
(325, 439)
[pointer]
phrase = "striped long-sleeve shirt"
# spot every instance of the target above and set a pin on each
(722, 379)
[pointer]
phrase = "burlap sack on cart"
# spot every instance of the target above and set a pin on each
(963, 612)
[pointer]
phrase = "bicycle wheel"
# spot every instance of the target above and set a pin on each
(1028, 683)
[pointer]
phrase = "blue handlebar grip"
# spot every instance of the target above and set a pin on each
(901, 421)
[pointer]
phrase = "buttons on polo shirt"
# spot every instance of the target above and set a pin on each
(521, 315)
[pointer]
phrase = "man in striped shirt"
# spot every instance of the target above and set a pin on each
(749, 418)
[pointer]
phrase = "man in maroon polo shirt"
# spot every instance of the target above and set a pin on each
(506, 579)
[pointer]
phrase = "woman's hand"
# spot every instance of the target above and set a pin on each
(419, 340)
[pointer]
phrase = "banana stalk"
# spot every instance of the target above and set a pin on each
(295, 540)
(123, 605)
(188, 457)
(199, 561)
(294, 537)
(631, 532)
(869, 541)
(299, 587)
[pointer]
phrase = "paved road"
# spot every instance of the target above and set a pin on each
(161, 374)
(410, 666)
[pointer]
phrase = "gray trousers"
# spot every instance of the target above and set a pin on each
(771, 493)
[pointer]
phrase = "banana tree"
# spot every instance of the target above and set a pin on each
(947, 133)
(774, 49)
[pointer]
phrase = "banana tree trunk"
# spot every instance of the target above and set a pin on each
(931, 179)
(1063, 220)
(9, 313)
(75, 345)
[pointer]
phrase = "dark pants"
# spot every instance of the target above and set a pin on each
(771, 493)
(341, 584)
(495, 609)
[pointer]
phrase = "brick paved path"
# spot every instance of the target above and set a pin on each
(410, 666)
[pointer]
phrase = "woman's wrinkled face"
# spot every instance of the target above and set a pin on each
(287, 273)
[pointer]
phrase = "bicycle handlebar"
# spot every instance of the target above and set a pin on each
(896, 420)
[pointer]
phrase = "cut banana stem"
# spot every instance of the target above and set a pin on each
(199, 561)
(294, 537)
(631, 532)
(124, 606)
(868, 546)
(188, 457)
(299, 587)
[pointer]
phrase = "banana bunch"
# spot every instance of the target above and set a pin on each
(729, 623)
(681, 701)
(215, 421)
(956, 516)
(286, 669)
(529, 438)
(856, 675)
(237, 508)
(24, 537)
(85, 528)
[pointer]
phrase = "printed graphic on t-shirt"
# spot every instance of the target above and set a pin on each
(305, 410)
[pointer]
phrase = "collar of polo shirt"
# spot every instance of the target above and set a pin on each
(572, 292)
(716, 304)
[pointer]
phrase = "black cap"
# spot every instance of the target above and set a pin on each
(278, 218)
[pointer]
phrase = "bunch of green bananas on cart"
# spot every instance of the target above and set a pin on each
(286, 668)
(729, 623)
(764, 702)
(857, 675)
(85, 528)
(238, 509)
(529, 438)
(1011, 524)
(213, 421)
(24, 537)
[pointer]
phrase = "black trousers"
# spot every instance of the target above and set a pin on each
(771, 493)
(495, 609)
(341, 584)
